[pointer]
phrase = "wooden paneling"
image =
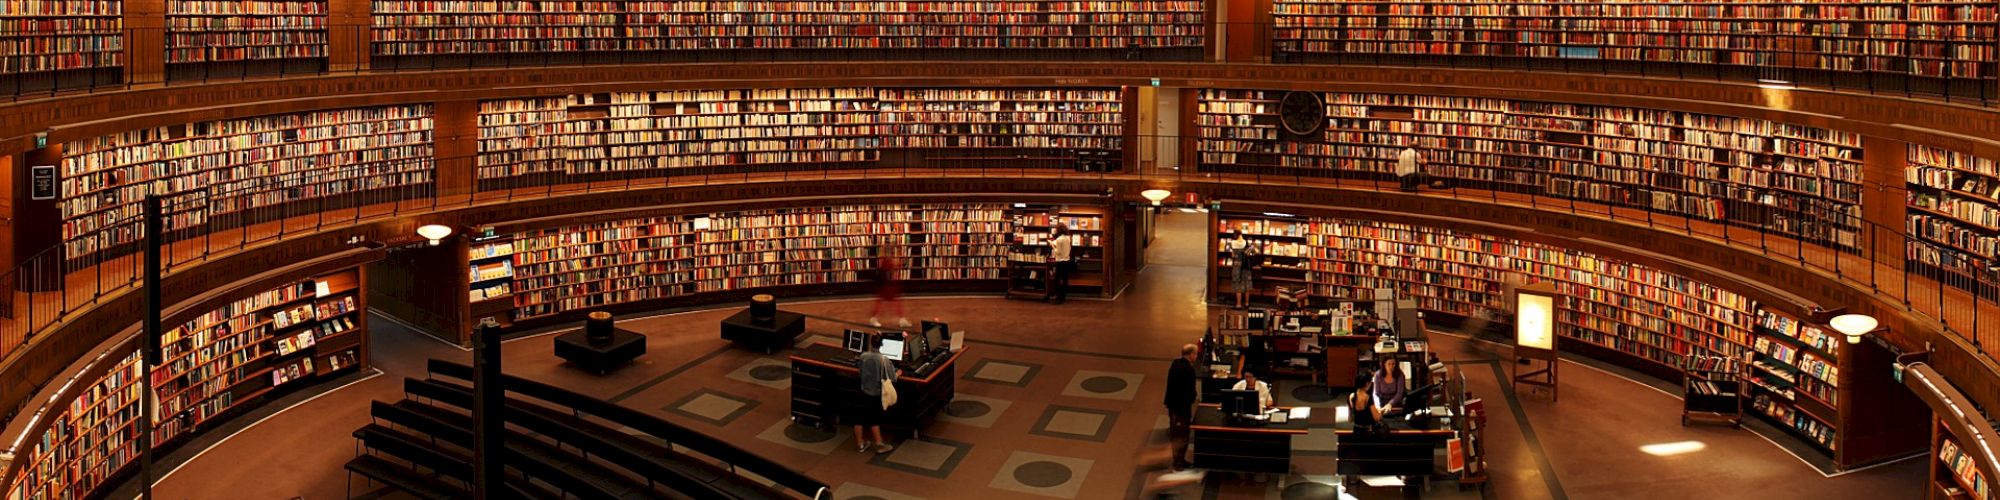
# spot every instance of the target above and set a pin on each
(1248, 22)
(427, 287)
(1952, 126)
(1884, 194)
(37, 224)
(456, 134)
(145, 41)
(1190, 130)
(347, 34)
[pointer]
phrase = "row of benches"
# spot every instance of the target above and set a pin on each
(560, 444)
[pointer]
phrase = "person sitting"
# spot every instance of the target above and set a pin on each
(1361, 407)
(1263, 389)
(1387, 388)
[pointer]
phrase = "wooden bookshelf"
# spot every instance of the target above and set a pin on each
(220, 174)
(1788, 179)
(647, 31)
(1794, 377)
(641, 134)
(1936, 46)
(41, 39)
(1953, 475)
(215, 365)
(1954, 218)
(1028, 265)
(219, 31)
(575, 268)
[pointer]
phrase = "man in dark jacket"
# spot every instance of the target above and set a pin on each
(1181, 396)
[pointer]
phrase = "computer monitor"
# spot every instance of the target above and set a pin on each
(892, 347)
(918, 346)
(857, 341)
(1235, 403)
(1416, 399)
(937, 334)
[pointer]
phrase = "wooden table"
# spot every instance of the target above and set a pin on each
(1221, 446)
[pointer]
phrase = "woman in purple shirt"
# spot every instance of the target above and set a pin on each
(1388, 387)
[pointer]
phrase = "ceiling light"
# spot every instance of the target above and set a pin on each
(1853, 326)
(1156, 195)
(434, 232)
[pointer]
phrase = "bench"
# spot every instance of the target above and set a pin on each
(566, 470)
(383, 471)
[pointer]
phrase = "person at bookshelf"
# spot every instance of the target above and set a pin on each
(888, 289)
(1409, 165)
(876, 369)
(1063, 262)
(1387, 388)
(1239, 267)
(1263, 389)
(1181, 395)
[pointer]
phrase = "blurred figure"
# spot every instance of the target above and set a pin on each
(888, 287)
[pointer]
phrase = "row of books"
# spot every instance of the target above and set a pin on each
(1819, 431)
(1961, 467)
(1954, 213)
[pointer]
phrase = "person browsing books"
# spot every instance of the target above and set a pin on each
(1387, 388)
(1065, 265)
(1408, 163)
(1263, 389)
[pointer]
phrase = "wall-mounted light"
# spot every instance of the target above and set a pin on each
(434, 232)
(1156, 195)
(1854, 326)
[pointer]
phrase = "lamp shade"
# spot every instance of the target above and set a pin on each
(1156, 195)
(434, 232)
(1853, 326)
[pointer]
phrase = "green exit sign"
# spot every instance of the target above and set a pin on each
(41, 141)
(1156, 82)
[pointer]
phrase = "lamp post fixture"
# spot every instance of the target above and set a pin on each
(1156, 195)
(1854, 326)
(434, 232)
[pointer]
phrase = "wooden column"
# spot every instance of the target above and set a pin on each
(1133, 112)
(348, 34)
(1884, 194)
(457, 137)
(1249, 35)
(1190, 131)
(37, 225)
(1867, 433)
(427, 287)
(145, 41)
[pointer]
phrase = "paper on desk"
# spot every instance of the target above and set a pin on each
(1381, 481)
(1300, 412)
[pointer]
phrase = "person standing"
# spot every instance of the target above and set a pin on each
(1063, 262)
(1409, 167)
(876, 369)
(1239, 268)
(1181, 396)
(888, 288)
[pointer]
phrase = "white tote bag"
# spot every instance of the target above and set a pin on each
(889, 391)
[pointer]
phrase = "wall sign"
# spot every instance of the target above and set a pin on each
(42, 182)
(1535, 326)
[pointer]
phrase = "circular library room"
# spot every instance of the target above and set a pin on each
(999, 249)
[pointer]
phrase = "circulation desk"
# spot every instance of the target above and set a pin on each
(1264, 448)
(826, 387)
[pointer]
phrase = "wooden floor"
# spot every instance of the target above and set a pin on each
(1587, 446)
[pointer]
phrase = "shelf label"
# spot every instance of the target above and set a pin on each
(42, 182)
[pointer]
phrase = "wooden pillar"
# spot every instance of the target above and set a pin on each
(457, 138)
(145, 41)
(1248, 38)
(1132, 112)
(37, 224)
(348, 34)
(1190, 131)
(1884, 194)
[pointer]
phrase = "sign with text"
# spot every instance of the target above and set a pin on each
(42, 182)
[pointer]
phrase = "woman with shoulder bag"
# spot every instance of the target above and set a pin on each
(878, 377)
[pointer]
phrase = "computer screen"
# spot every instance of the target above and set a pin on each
(918, 346)
(893, 348)
(935, 333)
(857, 340)
(1240, 403)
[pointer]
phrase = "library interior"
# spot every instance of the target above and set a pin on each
(1196, 249)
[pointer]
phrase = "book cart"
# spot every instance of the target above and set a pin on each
(1712, 391)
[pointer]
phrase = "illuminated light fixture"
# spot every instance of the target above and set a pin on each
(1276, 214)
(1771, 83)
(434, 232)
(1674, 448)
(1156, 195)
(1853, 326)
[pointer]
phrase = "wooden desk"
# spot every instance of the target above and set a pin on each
(826, 388)
(1401, 451)
(1220, 446)
(1343, 359)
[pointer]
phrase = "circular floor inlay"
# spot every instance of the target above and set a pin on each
(1312, 393)
(1042, 474)
(1314, 491)
(1104, 385)
(805, 434)
(967, 409)
(771, 373)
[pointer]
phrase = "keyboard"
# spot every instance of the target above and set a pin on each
(846, 359)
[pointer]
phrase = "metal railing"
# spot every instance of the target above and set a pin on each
(1958, 68)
